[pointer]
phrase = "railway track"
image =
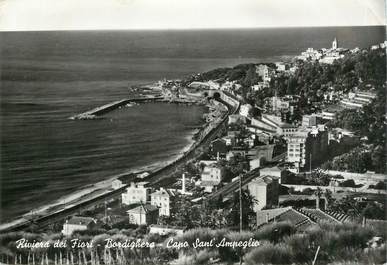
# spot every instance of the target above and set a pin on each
(246, 178)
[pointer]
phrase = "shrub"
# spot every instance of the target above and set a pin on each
(232, 254)
(275, 231)
(269, 253)
(300, 245)
(201, 258)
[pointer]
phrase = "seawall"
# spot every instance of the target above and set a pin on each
(90, 114)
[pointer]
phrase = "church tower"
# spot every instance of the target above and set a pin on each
(334, 44)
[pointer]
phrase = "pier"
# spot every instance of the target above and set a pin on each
(93, 113)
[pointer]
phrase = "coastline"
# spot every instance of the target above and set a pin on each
(92, 191)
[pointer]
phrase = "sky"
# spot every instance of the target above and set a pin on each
(23, 15)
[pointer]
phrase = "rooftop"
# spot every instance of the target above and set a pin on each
(283, 214)
(143, 208)
(264, 180)
(163, 192)
(209, 183)
(167, 227)
(266, 169)
(317, 215)
(334, 108)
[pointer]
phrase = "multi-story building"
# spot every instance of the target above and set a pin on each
(162, 199)
(211, 177)
(329, 113)
(310, 54)
(310, 120)
(263, 71)
(265, 191)
(307, 147)
(212, 173)
(259, 155)
(289, 130)
(144, 214)
(279, 104)
(136, 193)
(357, 99)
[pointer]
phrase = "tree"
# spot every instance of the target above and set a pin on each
(184, 213)
(254, 112)
(318, 192)
(248, 202)
(381, 185)
(378, 157)
(329, 198)
(374, 211)
(251, 77)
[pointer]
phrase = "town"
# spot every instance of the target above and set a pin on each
(298, 145)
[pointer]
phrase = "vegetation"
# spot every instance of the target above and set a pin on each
(359, 208)
(316, 178)
(281, 243)
(359, 160)
(381, 185)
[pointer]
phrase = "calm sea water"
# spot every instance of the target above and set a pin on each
(48, 76)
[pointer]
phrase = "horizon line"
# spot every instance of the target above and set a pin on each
(192, 28)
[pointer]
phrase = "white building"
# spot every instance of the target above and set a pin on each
(144, 214)
(357, 99)
(162, 199)
(212, 173)
(311, 54)
(77, 223)
(265, 192)
(281, 67)
(245, 110)
(289, 130)
(136, 193)
(263, 71)
(211, 177)
(307, 146)
(329, 113)
(260, 86)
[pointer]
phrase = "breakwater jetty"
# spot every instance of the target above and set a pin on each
(94, 113)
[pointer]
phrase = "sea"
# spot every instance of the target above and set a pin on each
(46, 77)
